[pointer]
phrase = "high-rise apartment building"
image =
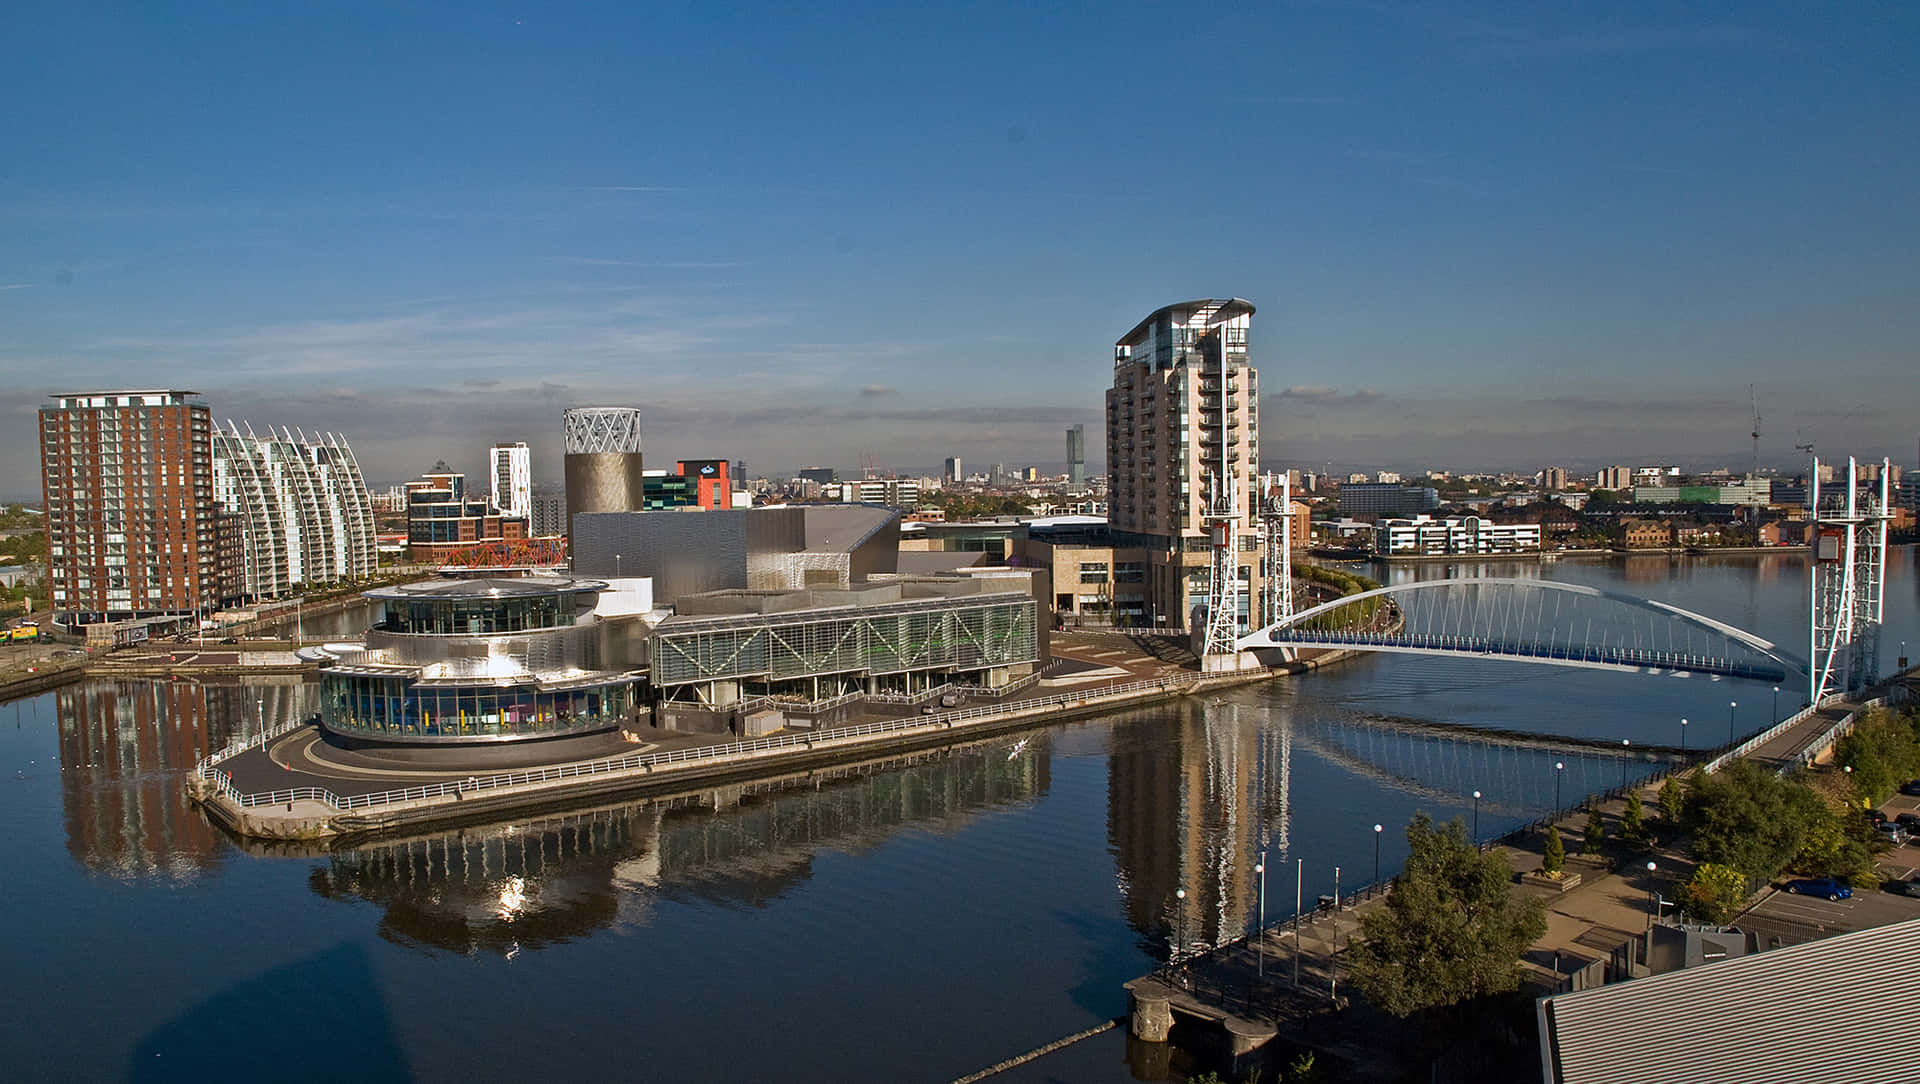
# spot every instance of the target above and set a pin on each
(950, 472)
(511, 468)
(1182, 423)
(1553, 478)
(1614, 478)
(132, 527)
(1077, 456)
(304, 513)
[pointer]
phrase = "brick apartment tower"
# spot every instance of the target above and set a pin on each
(1183, 408)
(132, 527)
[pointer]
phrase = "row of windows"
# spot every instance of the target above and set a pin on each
(391, 707)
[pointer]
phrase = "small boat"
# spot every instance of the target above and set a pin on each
(1018, 748)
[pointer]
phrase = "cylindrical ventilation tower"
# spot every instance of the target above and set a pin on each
(603, 461)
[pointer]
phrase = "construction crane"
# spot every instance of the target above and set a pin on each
(1753, 399)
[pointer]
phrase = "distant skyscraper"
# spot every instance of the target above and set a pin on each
(549, 515)
(303, 509)
(1553, 478)
(1077, 455)
(131, 522)
(1614, 478)
(1180, 418)
(951, 472)
(819, 475)
(511, 468)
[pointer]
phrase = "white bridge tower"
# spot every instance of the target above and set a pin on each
(1846, 581)
(1223, 581)
(1276, 548)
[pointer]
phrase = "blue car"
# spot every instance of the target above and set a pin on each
(1911, 786)
(1819, 886)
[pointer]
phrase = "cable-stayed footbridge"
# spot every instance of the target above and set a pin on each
(1544, 621)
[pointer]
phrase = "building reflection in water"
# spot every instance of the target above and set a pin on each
(1198, 817)
(125, 747)
(508, 887)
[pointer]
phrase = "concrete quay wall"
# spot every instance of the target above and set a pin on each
(312, 819)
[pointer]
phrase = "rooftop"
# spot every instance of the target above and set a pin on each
(1222, 310)
(520, 587)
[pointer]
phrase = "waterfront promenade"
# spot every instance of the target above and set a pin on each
(1286, 980)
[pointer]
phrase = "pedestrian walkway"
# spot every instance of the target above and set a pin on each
(1288, 975)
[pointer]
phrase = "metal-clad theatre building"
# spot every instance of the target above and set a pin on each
(603, 463)
(1824, 1010)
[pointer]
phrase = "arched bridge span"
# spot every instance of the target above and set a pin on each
(1540, 621)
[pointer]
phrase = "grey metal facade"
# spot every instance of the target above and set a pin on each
(604, 482)
(685, 552)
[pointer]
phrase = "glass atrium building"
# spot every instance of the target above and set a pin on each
(492, 660)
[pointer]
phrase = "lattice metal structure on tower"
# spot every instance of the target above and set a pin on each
(1847, 580)
(1276, 547)
(1223, 578)
(598, 430)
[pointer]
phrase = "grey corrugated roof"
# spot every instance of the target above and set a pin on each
(1816, 1011)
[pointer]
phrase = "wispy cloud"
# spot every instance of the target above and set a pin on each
(1505, 41)
(1323, 395)
(1638, 167)
(1290, 99)
(627, 188)
(878, 391)
(676, 265)
(18, 285)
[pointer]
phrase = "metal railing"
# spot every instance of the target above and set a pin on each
(209, 770)
(240, 745)
(1772, 732)
(1810, 751)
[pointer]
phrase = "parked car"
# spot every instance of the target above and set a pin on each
(1876, 817)
(1909, 887)
(1911, 786)
(1819, 886)
(1891, 832)
(1909, 821)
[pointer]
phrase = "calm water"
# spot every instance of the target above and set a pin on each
(914, 920)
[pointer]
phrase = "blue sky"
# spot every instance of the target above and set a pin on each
(1477, 235)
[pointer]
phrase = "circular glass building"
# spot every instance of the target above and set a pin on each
(479, 661)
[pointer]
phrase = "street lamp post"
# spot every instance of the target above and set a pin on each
(1559, 771)
(1653, 896)
(1476, 817)
(1775, 717)
(1731, 704)
(1179, 923)
(1260, 930)
(1376, 855)
(1626, 744)
(616, 566)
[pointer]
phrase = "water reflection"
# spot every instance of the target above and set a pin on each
(1192, 792)
(1202, 790)
(504, 888)
(124, 748)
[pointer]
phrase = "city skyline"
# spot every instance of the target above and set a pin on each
(1493, 238)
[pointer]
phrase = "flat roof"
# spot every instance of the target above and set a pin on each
(1228, 308)
(121, 391)
(518, 587)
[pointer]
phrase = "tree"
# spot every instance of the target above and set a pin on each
(1715, 893)
(1596, 832)
(1749, 818)
(1633, 827)
(1450, 929)
(1555, 858)
(1672, 799)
